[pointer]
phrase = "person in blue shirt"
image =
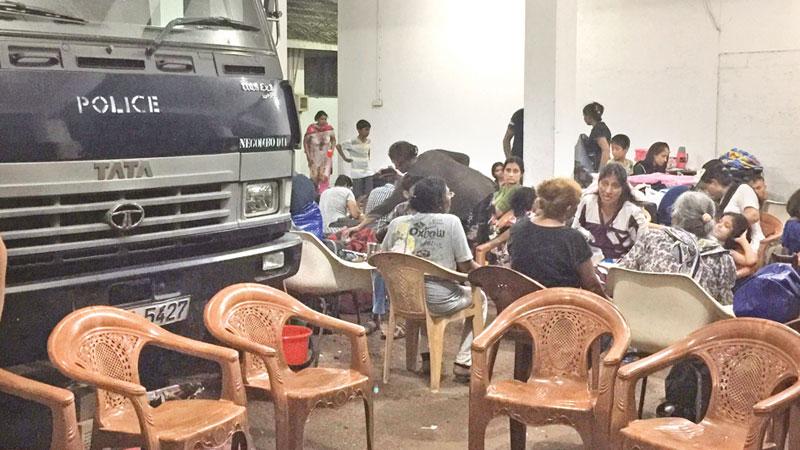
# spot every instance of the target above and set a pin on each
(791, 230)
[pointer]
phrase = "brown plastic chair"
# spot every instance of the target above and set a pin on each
(100, 346)
(61, 402)
(405, 284)
(772, 227)
(564, 324)
(504, 286)
(754, 365)
(250, 317)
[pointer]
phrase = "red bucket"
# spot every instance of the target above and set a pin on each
(295, 344)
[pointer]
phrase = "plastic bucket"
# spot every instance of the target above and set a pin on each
(295, 344)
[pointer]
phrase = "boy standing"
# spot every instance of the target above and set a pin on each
(359, 149)
(619, 148)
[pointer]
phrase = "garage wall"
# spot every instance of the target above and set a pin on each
(449, 73)
(709, 75)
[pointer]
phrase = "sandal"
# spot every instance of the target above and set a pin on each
(371, 327)
(399, 332)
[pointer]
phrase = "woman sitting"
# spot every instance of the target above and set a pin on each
(655, 160)
(521, 204)
(546, 249)
(687, 247)
(610, 215)
(791, 230)
(437, 236)
(732, 230)
(513, 171)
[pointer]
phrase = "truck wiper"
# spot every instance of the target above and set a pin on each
(25, 10)
(223, 22)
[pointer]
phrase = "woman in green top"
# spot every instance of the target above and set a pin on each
(513, 171)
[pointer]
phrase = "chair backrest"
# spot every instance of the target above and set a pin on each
(106, 341)
(503, 285)
(661, 308)
(771, 225)
(777, 209)
(321, 272)
(256, 313)
(3, 267)
(564, 323)
(749, 360)
(405, 280)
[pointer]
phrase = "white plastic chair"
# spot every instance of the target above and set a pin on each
(324, 275)
(661, 309)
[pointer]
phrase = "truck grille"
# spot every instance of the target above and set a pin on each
(75, 226)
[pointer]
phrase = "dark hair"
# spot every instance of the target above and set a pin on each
(428, 195)
(408, 181)
(617, 171)
(319, 114)
(362, 124)
(740, 225)
(521, 200)
(649, 159)
(793, 205)
(621, 140)
(594, 110)
(558, 197)
(343, 180)
(716, 170)
(402, 150)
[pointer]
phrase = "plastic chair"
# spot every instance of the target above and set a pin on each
(505, 286)
(250, 317)
(405, 283)
(100, 346)
(564, 323)
(773, 230)
(777, 209)
(661, 309)
(323, 274)
(754, 365)
(61, 402)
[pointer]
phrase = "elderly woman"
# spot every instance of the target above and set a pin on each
(609, 215)
(688, 247)
(546, 249)
(437, 236)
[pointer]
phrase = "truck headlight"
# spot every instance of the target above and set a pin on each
(261, 198)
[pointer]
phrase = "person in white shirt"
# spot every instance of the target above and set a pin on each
(359, 150)
(733, 197)
(338, 206)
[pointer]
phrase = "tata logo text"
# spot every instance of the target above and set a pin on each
(125, 216)
(137, 104)
(122, 170)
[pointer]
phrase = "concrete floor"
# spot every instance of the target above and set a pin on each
(407, 414)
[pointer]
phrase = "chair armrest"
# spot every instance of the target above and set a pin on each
(35, 391)
(777, 402)
(653, 363)
(447, 274)
(247, 345)
(227, 358)
(331, 323)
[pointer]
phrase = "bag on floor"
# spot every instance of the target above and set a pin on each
(772, 293)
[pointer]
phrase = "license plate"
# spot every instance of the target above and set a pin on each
(164, 312)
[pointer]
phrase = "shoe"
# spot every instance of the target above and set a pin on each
(371, 327)
(399, 332)
(461, 372)
(425, 367)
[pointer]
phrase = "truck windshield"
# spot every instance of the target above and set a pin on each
(109, 20)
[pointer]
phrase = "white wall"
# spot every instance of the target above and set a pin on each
(449, 73)
(709, 75)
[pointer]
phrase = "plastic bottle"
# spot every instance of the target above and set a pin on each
(682, 158)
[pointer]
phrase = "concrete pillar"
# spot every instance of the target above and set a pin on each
(552, 117)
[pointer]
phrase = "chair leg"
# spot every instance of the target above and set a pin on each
(412, 344)
(641, 396)
(436, 347)
(522, 365)
(294, 432)
(477, 428)
(369, 413)
(387, 354)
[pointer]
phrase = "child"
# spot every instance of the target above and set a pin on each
(791, 230)
(358, 149)
(732, 230)
(619, 148)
